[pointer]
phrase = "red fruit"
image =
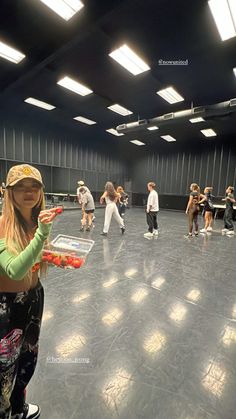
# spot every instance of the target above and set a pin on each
(59, 210)
(49, 258)
(46, 253)
(44, 258)
(77, 263)
(69, 260)
(56, 261)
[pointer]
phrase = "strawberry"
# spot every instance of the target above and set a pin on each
(50, 258)
(58, 210)
(56, 261)
(77, 263)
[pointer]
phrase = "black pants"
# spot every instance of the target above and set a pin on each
(121, 209)
(152, 221)
(228, 218)
(20, 321)
(193, 218)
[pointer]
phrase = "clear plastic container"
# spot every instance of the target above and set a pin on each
(67, 251)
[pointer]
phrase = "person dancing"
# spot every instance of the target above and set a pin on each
(110, 196)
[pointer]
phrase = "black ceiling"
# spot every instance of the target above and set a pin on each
(156, 29)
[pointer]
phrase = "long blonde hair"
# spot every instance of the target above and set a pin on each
(16, 232)
(111, 192)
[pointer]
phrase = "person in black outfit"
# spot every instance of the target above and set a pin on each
(228, 215)
(208, 209)
(122, 201)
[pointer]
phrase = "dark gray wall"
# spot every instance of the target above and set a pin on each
(63, 160)
(173, 172)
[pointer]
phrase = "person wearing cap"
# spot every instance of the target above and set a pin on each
(24, 227)
(80, 198)
(79, 194)
(88, 208)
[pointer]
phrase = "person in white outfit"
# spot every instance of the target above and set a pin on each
(110, 196)
(152, 210)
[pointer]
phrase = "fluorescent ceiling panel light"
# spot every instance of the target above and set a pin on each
(152, 128)
(224, 14)
(84, 120)
(10, 54)
(129, 60)
(119, 109)
(208, 132)
(170, 95)
(39, 103)
(137, 142)
(64, 8)
(74, 86)
(168, 138)
(234, 70)
(114, 132)
(196, 120)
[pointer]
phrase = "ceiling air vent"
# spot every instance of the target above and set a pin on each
(199, 109)
(168, 116)
(121, 127)
(232, 102)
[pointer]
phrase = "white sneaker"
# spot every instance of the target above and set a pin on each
(148, 234)
(209, 228)
(31, 411)
(224, 230)
(203, 230)
(155, 232)
(230, 233)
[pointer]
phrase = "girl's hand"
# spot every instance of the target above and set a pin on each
(186, 212)
(47, 216)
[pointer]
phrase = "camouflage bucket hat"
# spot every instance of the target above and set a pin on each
(23, 171)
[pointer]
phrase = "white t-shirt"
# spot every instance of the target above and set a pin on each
(153, 201)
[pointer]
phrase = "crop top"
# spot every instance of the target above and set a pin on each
(17, 266)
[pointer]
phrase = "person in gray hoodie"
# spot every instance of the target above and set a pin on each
(88, 208)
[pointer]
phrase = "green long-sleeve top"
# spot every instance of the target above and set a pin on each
(17, 266)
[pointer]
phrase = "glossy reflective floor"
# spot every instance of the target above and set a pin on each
(146, 329)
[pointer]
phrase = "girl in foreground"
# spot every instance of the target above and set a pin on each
(111, 197)
(24, 227)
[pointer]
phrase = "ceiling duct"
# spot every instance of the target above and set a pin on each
(168, 116)
(198, 110)
(218, 109)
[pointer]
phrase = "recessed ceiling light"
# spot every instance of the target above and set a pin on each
(129, 60)
(74, 86)
(10, 54)
(168, 138)
(196, 120)
(152, 128)
(120, 109)
(170, 95)
(114, 132)
(234, 70)
(224, 13)
(84, 120)
(39, 103)
(208, 132)
(64, 8)
(137, 142)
